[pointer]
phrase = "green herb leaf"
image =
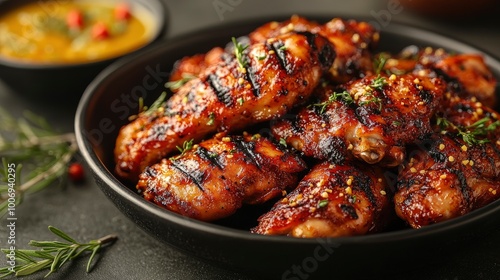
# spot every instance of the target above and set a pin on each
(372, 99)
(186, 146)
(322, 203)
(378, 83)
(239, 52)
(175, 85)
(34, 261)
(473, 134)
(335, 96)
(211, 118)
(283, 142)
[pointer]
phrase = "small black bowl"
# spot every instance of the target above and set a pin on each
(113, 96)
(66, 81)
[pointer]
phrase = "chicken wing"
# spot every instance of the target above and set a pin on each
(331, 201)
(265, 82)
(468, 75)
(453, 171)
(216, 177)
(371, 119)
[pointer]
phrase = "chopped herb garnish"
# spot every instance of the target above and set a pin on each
(186, 146)
(322, 203)
(378, 83)
(380, 61)
(396, 123)
(155, 106)
(283, 142)
(211, 118)
(352, 199)
(262, 57)
(282, 48)
(240, 101)
(212, 154)
(471, 134)
(175, 85)
(239, 50)
(344, 96)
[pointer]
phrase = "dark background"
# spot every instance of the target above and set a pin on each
(85, 213)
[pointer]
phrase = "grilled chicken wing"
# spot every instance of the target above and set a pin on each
(372, 119)
(451, 174)
(216, 177)
(332, 200)
(264, 83)
(353, 41)
(467, 74)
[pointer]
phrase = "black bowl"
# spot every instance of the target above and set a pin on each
(66, 81)
(113, 96)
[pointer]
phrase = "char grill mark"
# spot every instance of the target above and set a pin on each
(196, 177)
(248, 149)
(464, 187)
(280, 51)
(349, 210)
(208, 156)
(253, 78)
(223, 93)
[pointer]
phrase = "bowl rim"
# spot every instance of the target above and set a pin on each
(161, 21)
(113, 184)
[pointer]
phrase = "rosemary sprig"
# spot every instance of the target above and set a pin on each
(335, 96)
(471, 134)
(175, 85)
(52, 254)
(239, 52)
(33, 147)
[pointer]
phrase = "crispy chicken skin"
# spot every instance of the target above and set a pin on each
(331, 201)
(371, 119)
(216, 177)
(467, 74)
(445, 176)
(277, 75)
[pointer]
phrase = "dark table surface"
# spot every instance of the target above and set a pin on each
(85, 213)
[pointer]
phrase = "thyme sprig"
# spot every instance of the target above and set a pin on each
(52, 255)
(31, 146)
(239, 52)
(335, 96)
(472, 134)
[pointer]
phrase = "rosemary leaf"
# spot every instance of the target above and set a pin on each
(61, 234)
(33, 267)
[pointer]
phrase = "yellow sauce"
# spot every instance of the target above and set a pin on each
(39, 32)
